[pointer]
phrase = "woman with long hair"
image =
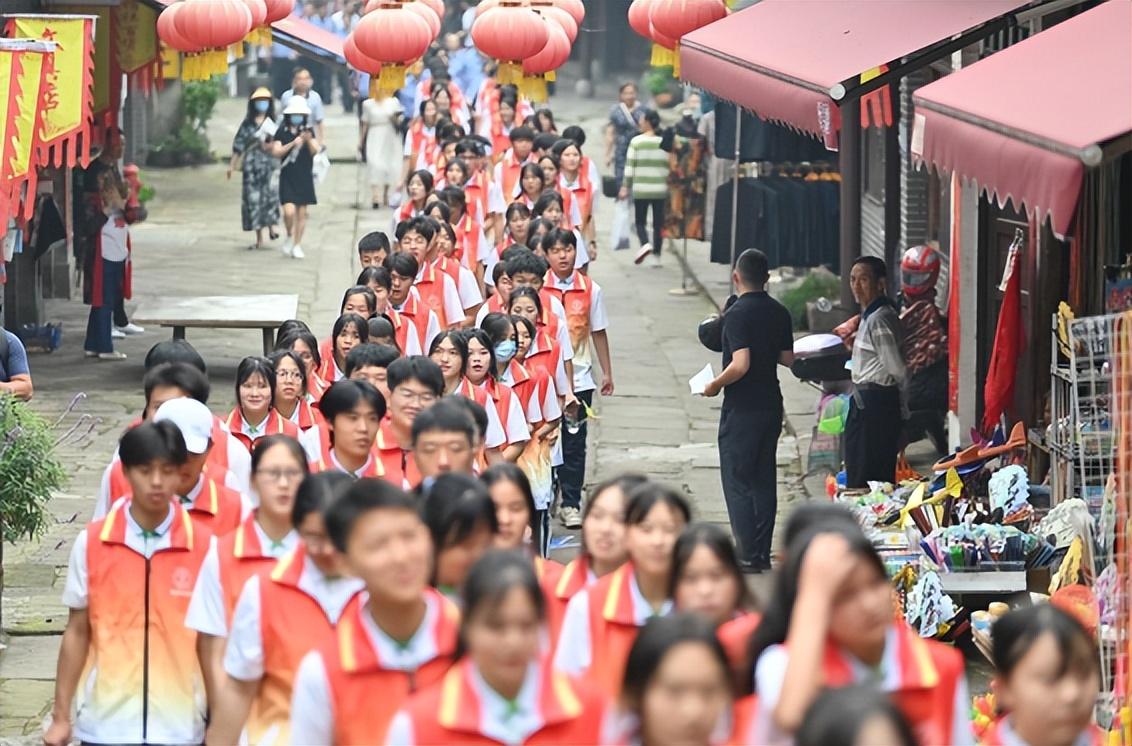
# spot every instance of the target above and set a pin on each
(255, 415)
(251, 153)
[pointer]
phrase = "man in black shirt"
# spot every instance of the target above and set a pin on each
(757, 337)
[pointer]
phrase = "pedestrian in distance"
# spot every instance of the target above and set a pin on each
(251, 156)
(646, 181)
(296, 145)
(380, 146)
(758, 336)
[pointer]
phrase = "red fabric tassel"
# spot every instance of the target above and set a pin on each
(1009, 341)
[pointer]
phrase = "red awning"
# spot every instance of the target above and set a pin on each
(1025, 122)
(787, 59)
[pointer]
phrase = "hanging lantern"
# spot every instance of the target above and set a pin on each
(639, 17)
(427, 14)
(361, 62)
(277, 10)
(395, 37)
(211, 25)
(675, 18)
(486, 5)
(576, 9)
(167, 30)
(663, 50)
(260, 33)
(510, 32)
(639, 22)
(437, 7)
(539, 68)
(549, 11)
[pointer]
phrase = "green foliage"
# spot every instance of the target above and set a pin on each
(188, 143)
(198, 102)
(810, 289)
(29, 471)
(658, 79)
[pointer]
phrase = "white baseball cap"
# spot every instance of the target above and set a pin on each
(192, 418)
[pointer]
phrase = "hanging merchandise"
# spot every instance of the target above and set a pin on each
(260, 33)
(395, 37)
(1009, 339)
(510, 32)
(137, 50)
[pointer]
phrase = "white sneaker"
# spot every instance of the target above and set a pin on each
(571, 517)
(288, 244)
(297, 252)
(130, 328)
(115, 355)
(90, 353)
(117, 334)
(655, 261)
(642, 253)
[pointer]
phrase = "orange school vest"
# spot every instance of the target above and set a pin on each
(500, 394)
(241, 556)
(449, 713)
(467, 230)
(476, 191)
(308, 416)
(509, 170)
(743, 720)
(402, 327)
(930, 673)
(325, 463)
(417, 312)
(558, 593)
(400, 468)
(275, 424)
(144, 654)
(735, 634)
(217, 508)
(576, 301)
(613, 628)
(291, 625)
(364, 695)
(430, 288)
(583, 190)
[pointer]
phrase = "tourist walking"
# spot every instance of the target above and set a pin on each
(381, 145)
(624, 121)
(251, 155)
(295, 144)
(646, 181)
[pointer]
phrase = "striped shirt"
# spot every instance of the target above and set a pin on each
(646, 168)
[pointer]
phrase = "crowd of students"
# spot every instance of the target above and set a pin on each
(358, 551)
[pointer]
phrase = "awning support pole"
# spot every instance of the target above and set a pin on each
(849, 160)
(735, 201)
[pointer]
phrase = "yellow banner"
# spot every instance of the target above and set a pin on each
(135, 27)
(67, 95)
(23, 67)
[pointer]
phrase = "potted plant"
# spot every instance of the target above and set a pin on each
(663, 86)
(29, 474)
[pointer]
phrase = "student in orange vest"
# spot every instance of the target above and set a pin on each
(209, 503)
(370, 363)
(503, 690)
(290, 391)
(406, 336)
(353, 411)
(578, 177)
(461, 518)
(303, 343)
(278, 466)
(403, 269)
(414, 383)
(349, 331)
(515, 515)
(418, 193)
(482, 373)
(601, 622)
(677, 685)
(445, 440)
(373, 247)
(280, 616)
(254, 415)
(128, 584)
(1046, 681)
(360, 300)
(546, 350)
(707, 580)
(517, 222)
(528, 270)
(602, 547)
(851, 715)
(395, 637)
(551, 207)
(468, 287)
(419, 139)
(454, 304)
(475, 250)
(832, 622)
(587, 321)
(508, 168)
(450, 352)
(228, 461)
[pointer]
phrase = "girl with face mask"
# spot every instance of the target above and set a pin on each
(251, 152)
(295, 146)
(485, 352)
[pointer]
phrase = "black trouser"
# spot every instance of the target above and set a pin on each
(641, 208)
(748, 443)
(120, 317)
(872, 436)
(572, 472)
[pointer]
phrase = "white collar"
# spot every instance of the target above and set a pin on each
(567, 283)
(642, 609)
(135, 528)
(272, 548)
(359, 473)
(509, 721)
(194, 493)
(402, 656)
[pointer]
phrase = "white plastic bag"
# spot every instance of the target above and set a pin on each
(619, 233)
(320, 167)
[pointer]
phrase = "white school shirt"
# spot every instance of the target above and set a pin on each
(466, 287)
(563, 335)
(495, 201)
(574, 655)
(517, 429)
(312, 709)
(243, 658)
(356, 473)
(206, 607)
(453, 307)
(432, 326)
(561, 383)
(538, 410)
(495, 436)
(599, 321)
(771, 670)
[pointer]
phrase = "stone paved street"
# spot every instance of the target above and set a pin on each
(191, 246)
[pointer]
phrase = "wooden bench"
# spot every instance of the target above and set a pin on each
(264, 312)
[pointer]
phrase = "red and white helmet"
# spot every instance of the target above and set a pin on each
(919, 271)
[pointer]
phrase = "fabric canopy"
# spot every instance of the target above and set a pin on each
(1024, 123)
(786, 60)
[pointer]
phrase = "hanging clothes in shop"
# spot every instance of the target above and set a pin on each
(763, 140)
(687, 183)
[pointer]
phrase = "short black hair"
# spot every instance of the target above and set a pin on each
(653, 118)
(489, 580)
(424, 176)
(575, 133)
(560, 147)
(525, 292)
(361, 328)
(184, 376)
(278, 355)
(475, 410)
(545, 200)
(421, 224)
(370, 355)
(289, 327)
(875, 264)
(458, 339)
(417, 368)
(454, 197)
(174, 351)
(655, 640)
(719, 543)
(317, 492)
(152, 441)
(544, 140)
(527, 263)
(526, 323)
(365, 292)
(810, 514)
(403, 263)
(837, 715)
(251, 366)
(522, 133)
(515, 249)
(441, 207)
(344, 395)
(445, 416)
(378, 275)
(381, 326)
(495, 325)
(267, 442)
(373, 241)
(498, 270)
(480, 335)
(516, 208)
(505, 471)
(362, 497)
(305, 336)
(1021, 628)
(753, 266)
(562, 236)
(455, 506)
(647, 496)
(460, 164)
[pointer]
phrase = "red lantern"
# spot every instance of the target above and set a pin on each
(428, 14)
(167, 31)
(675, 18)
(361, 62)
(538, 69)
(395, 37)
(547, 10)
(639, 17)
(575, 8)
(510, 33)
(260, 32)
(663, 50)
(211, 26)
(277, 10)
(437, 7)
(485, 6)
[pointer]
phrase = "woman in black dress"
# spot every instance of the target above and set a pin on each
(296, 145)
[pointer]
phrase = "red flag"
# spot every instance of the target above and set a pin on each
(1009, 339)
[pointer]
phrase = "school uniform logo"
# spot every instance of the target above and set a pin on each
(181, 582)
(577, 306)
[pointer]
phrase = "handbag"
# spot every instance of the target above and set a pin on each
(609, 187)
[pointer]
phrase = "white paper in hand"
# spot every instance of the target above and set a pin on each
(699, 382)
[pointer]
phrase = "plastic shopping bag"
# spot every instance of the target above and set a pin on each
(619, 234)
